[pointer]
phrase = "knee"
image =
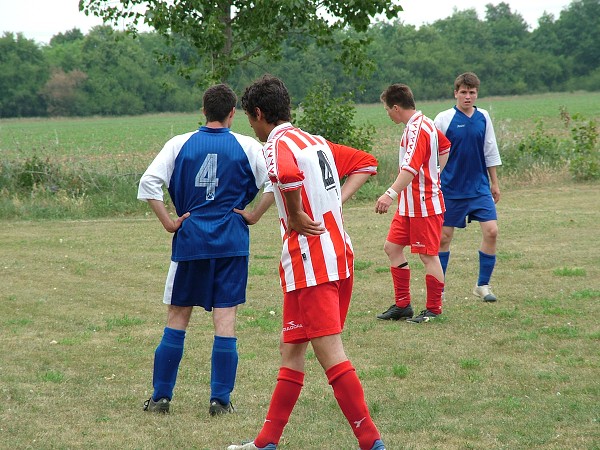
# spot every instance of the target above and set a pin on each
(445, 239)
(491, 233)
(389, 249)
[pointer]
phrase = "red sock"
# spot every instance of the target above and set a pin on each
(283, 400)
(401, 278)
(435, 288)
(350, 396)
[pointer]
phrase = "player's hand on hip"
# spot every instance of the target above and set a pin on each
(247, 215)
(177, 223)
(303, 224)
(383, 204)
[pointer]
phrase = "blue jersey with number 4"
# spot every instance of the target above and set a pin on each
(208, 173)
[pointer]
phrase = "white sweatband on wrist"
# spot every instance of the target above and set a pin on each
(392, 193)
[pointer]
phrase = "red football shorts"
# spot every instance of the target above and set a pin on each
(423, 234)
(316, 311)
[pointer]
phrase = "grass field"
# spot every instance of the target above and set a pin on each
(80, 316)
(128, 139)
(81, 312)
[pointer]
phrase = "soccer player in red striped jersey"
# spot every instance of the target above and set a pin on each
(316, 268)
(418, 221)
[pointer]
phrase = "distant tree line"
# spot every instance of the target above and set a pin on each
(108, 72)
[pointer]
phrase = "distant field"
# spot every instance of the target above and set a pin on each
(134, 139)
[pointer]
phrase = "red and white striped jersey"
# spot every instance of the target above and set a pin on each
(298, 160)
(420, 147)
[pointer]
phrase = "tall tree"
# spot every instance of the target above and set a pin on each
(227, 33)
(23, 72)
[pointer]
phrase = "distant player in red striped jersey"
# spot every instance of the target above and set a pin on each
(316, 268)
(418, 223)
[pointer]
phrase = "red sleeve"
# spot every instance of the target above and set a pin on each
(443, 143)
(286, 170)
(349, 160)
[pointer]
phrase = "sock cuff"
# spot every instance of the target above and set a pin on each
(430, 279)
(225, 342)
(291, 375)
(486, 255)
(403, 273)
(442, 254)
(335, 372)
(173, 337)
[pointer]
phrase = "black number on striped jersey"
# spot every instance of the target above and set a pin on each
(207, 175)
(326, 171)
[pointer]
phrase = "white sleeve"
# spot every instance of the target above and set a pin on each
(443, 119)
(256, 158)
(160, 170)
(490, 146)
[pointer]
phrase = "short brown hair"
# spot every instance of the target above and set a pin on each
(398, 94)
(468, 79)
(218, 101)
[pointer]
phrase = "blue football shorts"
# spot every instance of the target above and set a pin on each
(459, 212)
(209, 283)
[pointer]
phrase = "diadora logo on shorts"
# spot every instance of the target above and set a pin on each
(418, 244)
(292, 326)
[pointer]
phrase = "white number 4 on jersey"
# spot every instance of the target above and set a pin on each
(207, 176)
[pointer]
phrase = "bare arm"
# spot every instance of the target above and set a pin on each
(159, 208)
(443, 159)
(403, 179)
(297, 219)
(353, 184)
(265, 202)
(495, 187)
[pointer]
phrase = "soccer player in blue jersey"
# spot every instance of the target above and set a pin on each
(469, 180)
(208, 172)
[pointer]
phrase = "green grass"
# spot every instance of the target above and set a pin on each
(81, 315)
(82, 168)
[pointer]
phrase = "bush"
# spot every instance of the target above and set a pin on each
(537, 150)
(38, 188)
(584, 163)
(333, 118)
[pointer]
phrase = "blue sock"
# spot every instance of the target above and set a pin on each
(223, 368)
(444, 258)
(167, 357)
(486, 267)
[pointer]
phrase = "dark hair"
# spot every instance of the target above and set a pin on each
(468, 79)
(270, 95)
(398, 94)
(218, 101)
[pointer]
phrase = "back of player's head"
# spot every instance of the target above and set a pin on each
(217, 102)
(398, 94)
(270, 95)
(468, 79)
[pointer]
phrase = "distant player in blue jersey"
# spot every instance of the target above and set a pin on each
(469, 180)
(208, 173)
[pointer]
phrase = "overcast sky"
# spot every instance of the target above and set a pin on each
(41, 19)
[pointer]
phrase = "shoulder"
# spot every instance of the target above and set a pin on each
(443, 119)
(247, 142)
(181, 138)
(444, 114)
(484, 113)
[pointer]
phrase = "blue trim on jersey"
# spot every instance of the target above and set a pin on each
(465, 174)
(225, 181)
